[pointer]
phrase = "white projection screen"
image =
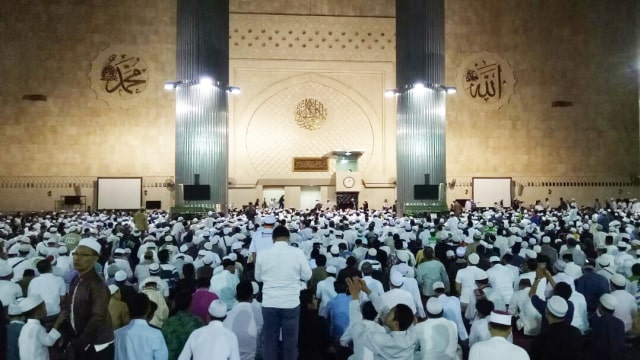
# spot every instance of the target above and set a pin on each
(489, 191)
(119, 193)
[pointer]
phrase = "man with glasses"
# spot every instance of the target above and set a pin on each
(90, 330)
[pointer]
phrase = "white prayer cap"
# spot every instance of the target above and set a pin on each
(119, 251)
(500, 317)
(474, 259)
(494, 259)
(402, 268)
(121, 276)
(207, 259)
(208, 246)
(608, 301)
(557, 306)
(385, 249)
(450, 253)
(434, 306)
(331, 270)
(481, 275)
(91, 243)
(437, 285)
(5, 269)
(403, 256)
(113, 288)
(604, 261)
(396, 279)
(546, 240)
(269, 220)
(31, 302)
(372, 252)
(184, 248)
(335, 250)
(537, 249)
(460, 252)
(217, 309)
(255, 287)
(619, 280)
(15, 308)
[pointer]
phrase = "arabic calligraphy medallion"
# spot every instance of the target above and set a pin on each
(310, 114)
(487, 80)
(120, 76)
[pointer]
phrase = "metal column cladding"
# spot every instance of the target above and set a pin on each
(421, 112)
(202, 110)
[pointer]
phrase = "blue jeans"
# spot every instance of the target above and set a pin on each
(287, 320)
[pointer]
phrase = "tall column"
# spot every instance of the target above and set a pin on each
(421, 109)
(202, 106)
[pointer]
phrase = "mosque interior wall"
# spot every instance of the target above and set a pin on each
(342, 54)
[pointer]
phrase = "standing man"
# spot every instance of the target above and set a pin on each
(498, 347)
(280, 294)
(262, 239)
(140, 220)
(91, 330)
(138, 340)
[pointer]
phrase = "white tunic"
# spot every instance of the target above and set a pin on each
(211, 342)
(34, 340)
(438, 339)
(626, 309)
(245, 321)
(497, 348)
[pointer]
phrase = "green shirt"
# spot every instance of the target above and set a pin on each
(176, 331)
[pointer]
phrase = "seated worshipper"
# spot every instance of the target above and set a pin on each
(480, 326)
(606, 339)
(224, 283)
(325, 290)
(398, 344)
(214, 341)
(627, 307)
(180, 325)
(150, 288)
(314, 340)
(50, 287)
(245, 321)
(559, 341)
(202, 298)
(498, 347)
(138, 340)
(14, 326)
(438, 337)
(118, 310)
(34, 339)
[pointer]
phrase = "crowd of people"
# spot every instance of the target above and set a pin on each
(531, 283)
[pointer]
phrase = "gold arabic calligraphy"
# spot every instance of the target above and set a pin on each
(484, 81)
(124, 74)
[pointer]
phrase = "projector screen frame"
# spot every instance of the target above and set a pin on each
(506, 202)
(99, 207)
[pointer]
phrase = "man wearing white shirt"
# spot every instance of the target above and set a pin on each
(262, 239)
(214, 341)
(374, 285)
(437, 336)
(325, 290)
(245, 321)
(498, 347)
(529, 319)
(466, 280)
(501, 278)
(9, 291)
(281, 294)
(627, 307)
(224, 283)
(396, 295)
(451, 309)
(51, 288)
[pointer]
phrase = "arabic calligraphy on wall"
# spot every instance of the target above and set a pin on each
(120, 76)
(310, 114)
(487, 80)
